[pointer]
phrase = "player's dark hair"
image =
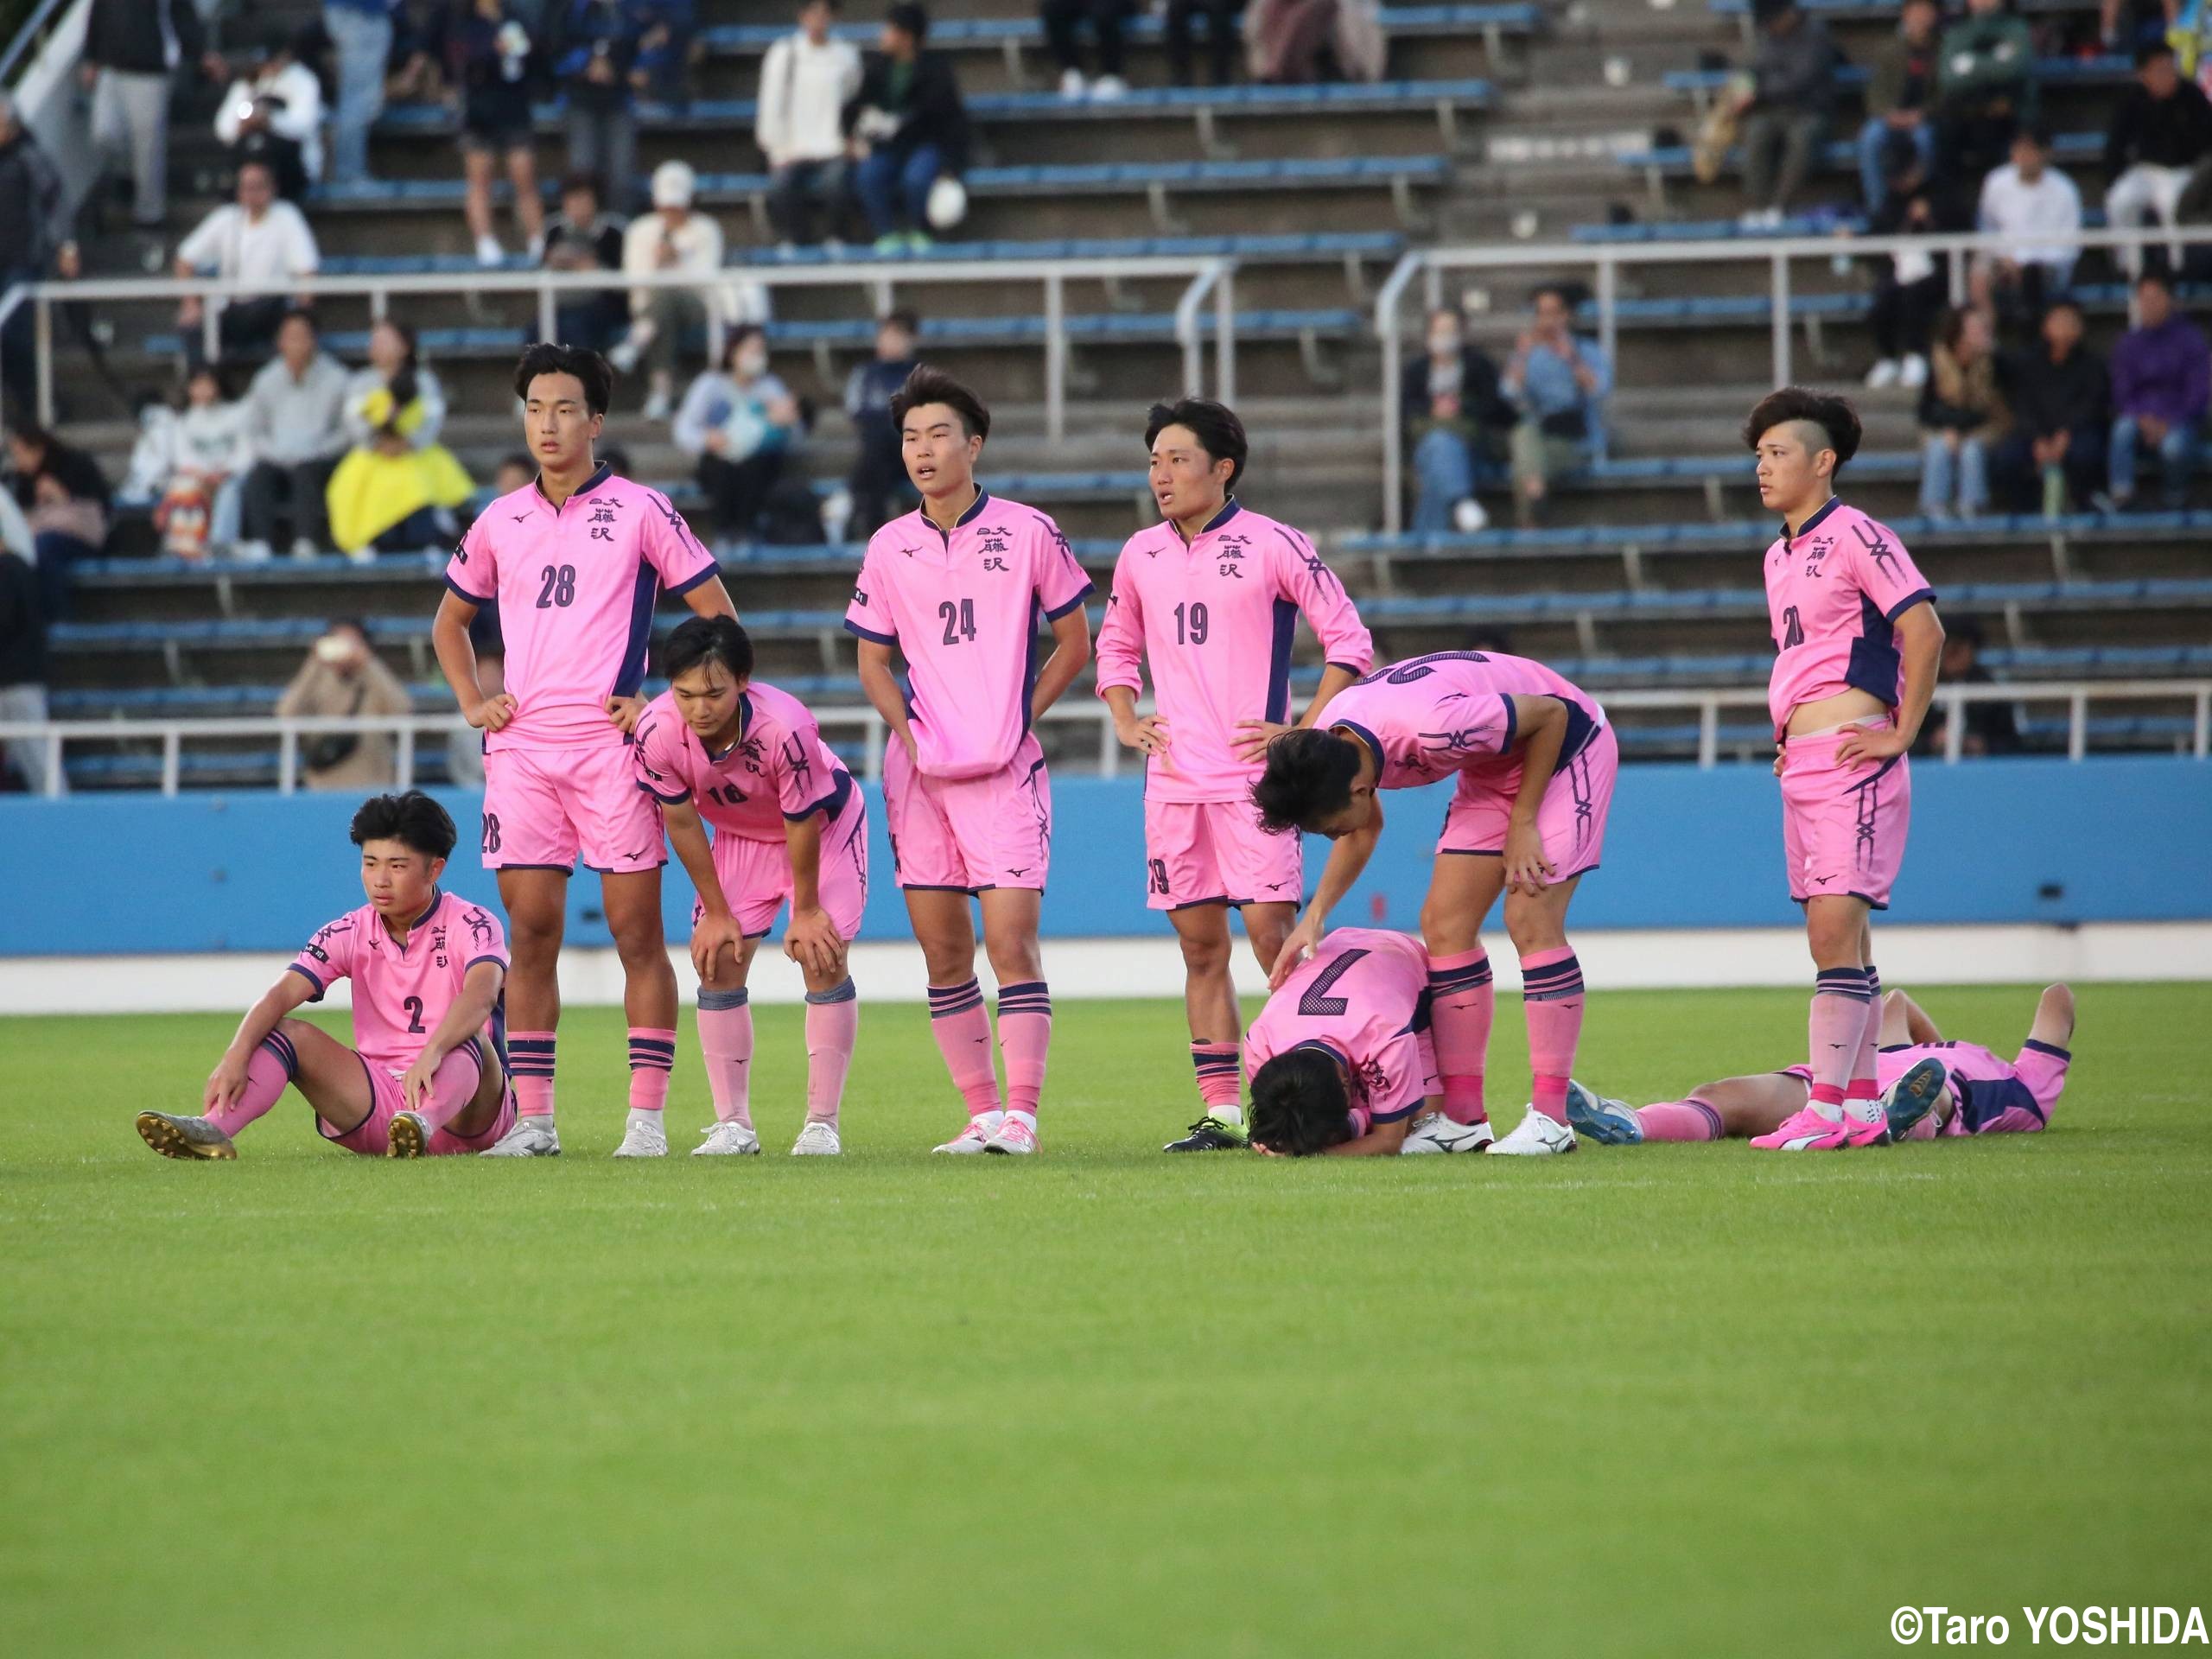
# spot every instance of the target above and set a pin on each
(1833, 415)
(1309, 777)
(708, 638)
(910, 19)
(929, 386)
(300, 314)
(1219, 431)
(1298, 1105)
(738, 337)
(582, 179)
(905, 320)
(593, 371)
(413, 820)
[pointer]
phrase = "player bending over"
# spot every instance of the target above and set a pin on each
(575, 562)
(428, 1077)
(1340, 1056)
(957, 587)
(1929, 1087)
(1535, 761)
(1207, 601)
(721, 747)
(1857, 641)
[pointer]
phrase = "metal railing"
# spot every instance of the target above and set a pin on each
(32, 32)
(409, 730)
(1211, 275)
(1608, 260)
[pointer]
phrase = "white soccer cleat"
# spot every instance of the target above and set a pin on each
(970, 1140)
(175, 1136)
(1433, 1132)
(1537, 1137)
(409, 1136)
(531, 1137)
(646, 1137)
(817, 1141)
(1014, 1138)
(731, 1139)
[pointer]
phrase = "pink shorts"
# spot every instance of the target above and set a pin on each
(1843, 828)
(1215, 853)
(372, 1137)
(543, 807)
(970, 834)
(756, 875)
(1570, 819)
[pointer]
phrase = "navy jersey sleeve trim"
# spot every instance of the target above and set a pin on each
(853, 627)
(462, 592)
(1512, 724)
(1398, 1117)
(1352, 669)
(473, 961)
(320, 988)
(1908, 602)
(1089, 588)
(689, 583)
(832, 800)
(665, 800)
(2052, 1049)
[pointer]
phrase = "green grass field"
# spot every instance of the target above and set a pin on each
(1688, 1400)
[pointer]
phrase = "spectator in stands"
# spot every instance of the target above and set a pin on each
(1985, 92)
(909, 127)
(273, 112)
(1298, 43)
(2161, 137)
(132, 48)
(2038, 210)
(2061, 399)
(413, 76)
(1222, 41)
(740, 423)
(673, 237)
(582, 236)
(1989, 727)
(595, 60)
(296, 416)
(2124, 25)
(343, 677)
(1557, 385)
(210, 450)
(2161, 375)
(806, 79)
(65, 495)
(1962, 415)
(1900, 98)
(257, 239)
(34, 243)
(1063, 21)
(666, 44)
(22, 665)
(1910, 288)
(360, 35)
(1785, 114)
(1452, 412)
(496, 67)
(395, 490)
(878, 489)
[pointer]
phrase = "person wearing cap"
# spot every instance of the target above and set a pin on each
(675, 238)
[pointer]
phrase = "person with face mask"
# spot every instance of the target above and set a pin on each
(741, 422)
(1453, 415)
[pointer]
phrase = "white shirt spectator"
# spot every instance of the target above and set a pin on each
(295, 87)
(804, 91)
(697, 242)
(295, 421)
(2013, 207)
(277, 249)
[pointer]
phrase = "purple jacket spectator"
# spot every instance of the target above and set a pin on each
(2165, 373)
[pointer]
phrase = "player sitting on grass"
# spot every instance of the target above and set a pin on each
(789, 824)
(427, 967)
(1930, 1087)
(1340, 1059)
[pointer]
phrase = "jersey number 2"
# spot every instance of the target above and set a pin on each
(1316, 1004)
(1793, 631)
(414, 1006)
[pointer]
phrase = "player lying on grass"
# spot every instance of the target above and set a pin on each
(1535, 759)
(428, 967)
(721, 747)
(1340, 1057)
(1930, 1087)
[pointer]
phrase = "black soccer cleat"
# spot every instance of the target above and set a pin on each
(1210, 1134)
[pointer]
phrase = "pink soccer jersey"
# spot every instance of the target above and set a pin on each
(1360, 996)
(400, 991)
(963, 610)
(778, 768)
(576, 586)
(1996, 1096)
(1430, 716)
(1213, 619)
(1832, 592)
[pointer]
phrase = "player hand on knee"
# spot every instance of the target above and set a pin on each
(713, 935)
(811, 941)
(1526, 867)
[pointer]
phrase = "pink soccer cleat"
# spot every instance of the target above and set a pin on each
(1807, 1132)
(1014, 1138)
(1864, 1131)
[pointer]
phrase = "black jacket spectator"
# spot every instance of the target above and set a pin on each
(2173, 131)
(468, 49)
(597, 29)
(33, 224)
(1795, 69)
(133, 35)
(2048, 397)
(927, 106)
(1481, 402)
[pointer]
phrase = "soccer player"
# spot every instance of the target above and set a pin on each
(1208, 600)
(1857, 642)
(575, 563)
(719, 745)
(1536, 760)
(1929, 1086)
(429, 1076)
(1340, 1056)
(957, 587)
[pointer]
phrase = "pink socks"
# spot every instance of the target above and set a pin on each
(1218, 1078)
(529, 1068)
(1551, 995)
(1836, 1029)
(652, 1057)
(1025, 1038)
(963, 1030)
(1679, 1119)
(832, 1021)
(726, 1046)
(268, 1069)
(1862, 1095)
(1461, 1003)
(452, 1085)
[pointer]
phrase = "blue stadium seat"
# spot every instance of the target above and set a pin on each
(2107, 69)
(1842, 155)
(734, 39)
